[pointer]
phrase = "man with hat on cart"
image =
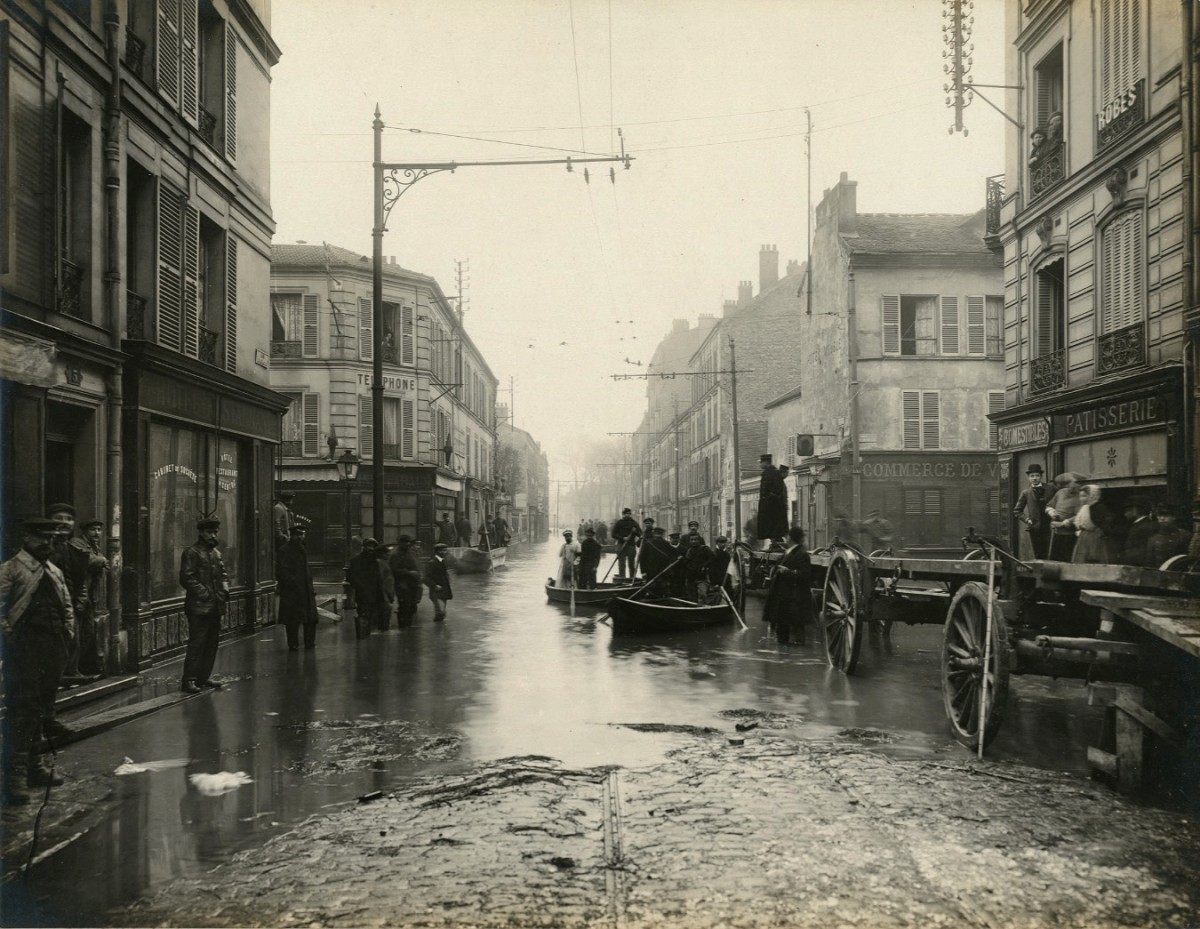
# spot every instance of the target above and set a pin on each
(772, 502)
(1030, 511)
(205, 581)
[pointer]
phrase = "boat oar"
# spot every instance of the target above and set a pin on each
(616, 559)
(650, 583)
(729, 600)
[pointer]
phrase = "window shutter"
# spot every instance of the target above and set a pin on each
(891, 324)
(309, 337)
(170, 268)
(976, 326)
(912, 418)
(949, 323)
(189, 60)
(407, 335)
(365, 329)
(1045, 93)
(993, 309)
(191, 281)
(230, 93)
(231, 301)
(312, 425)
(166, 52)
(932, 503)
(407, 428)
(995, 401)
(1120, 46)
(930, 420)
(1045, 317)
(366, 428)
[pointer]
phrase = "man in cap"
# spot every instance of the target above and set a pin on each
(437, 579)
(676, 581)
(37, 621)
(406, 576)
(71, 555)
(568, 560)
(772, 502)
(284, 517)
(718, 568)
(1169, 539)
(447, 534)
(90, 660)
(1142, 527)
(697, 555)
(297, 597)
(367, 584)
(627, 534)
(694, 529)
(1030, 511)
(589, 559)
(205, 582)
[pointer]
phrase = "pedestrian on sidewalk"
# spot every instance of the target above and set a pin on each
(437, 579)
(90, 656)
(205, 581)
(297, 596)
(37, 621)
(406, 576)
(367, 584)
(71, 556)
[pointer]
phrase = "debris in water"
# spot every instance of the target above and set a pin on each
(559, 862)
(129, 766)
(373, 795)
(213, 785)
(736, 742)
(745, 727)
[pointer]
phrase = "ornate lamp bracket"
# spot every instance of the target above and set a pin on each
(397, 179)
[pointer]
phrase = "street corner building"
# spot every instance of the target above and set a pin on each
(134, 288)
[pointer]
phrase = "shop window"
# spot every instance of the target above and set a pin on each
(921, 419)
(74, 216)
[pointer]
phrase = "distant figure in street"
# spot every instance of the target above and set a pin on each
(1062, 507)
(367, 583)
(879, 530)
(601, 532)
(718, 570)
(383, 615)
(38, 621)
(627, 534)
(90, 658)
(465, 530)
(446, 532)
(72, 556)
(500, 530)
(297, 598)
(1030, 511)
(772, 502)
(789, 607)
(205, 581)
(437, 579)
(283, 517)
(568, 560)
(695, 567)
(1142, 527)
(406, 577)
(589, 560)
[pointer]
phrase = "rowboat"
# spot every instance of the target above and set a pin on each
(666, 614)
(602, 593)
(476, 560)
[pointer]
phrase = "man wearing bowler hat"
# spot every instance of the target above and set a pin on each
(1030, 511)
(205, 581)
(772, 501)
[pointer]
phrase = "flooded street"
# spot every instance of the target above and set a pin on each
(506, 675)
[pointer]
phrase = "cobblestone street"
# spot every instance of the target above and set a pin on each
(776, 832)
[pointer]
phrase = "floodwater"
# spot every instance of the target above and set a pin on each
(507, 674)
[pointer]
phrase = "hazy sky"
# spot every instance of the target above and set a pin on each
(567, 280)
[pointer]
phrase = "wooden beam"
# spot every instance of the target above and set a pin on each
(1127, 704)
(1102, 761)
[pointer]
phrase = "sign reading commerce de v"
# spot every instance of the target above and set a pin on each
(390, 382)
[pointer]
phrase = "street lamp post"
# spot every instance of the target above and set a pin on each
(347, 467)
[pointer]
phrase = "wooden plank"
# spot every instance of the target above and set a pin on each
(1113, 600)
(1102, 761)
(1130, 742)
(1109, 575)
(1127, 704)
(1180, 628)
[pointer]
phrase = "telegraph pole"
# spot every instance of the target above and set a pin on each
(855, 463)
(737, 454)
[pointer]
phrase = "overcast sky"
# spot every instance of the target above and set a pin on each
(567, 279)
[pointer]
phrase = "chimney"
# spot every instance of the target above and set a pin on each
(745, 292)
(847, 204)
(680, 325)
(793, 267)
(706, 321)
(768, 268)
(729, 307)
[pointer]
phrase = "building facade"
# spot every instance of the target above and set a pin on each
(439, 400)
(134, 284)
(523, 474)
(1098, 234)
(902, 363)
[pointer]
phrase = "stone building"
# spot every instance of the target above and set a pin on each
(523, 475)
(439, 400)
(901, 364)
(136, 224)
(1099, 253)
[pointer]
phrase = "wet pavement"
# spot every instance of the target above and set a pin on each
(409, 713)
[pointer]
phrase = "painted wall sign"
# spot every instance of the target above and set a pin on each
(1112, 417)
(1032, 432)
(390, 382)
(1122, 113)
(945, 470)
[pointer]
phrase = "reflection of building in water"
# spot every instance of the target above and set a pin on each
(135, 279)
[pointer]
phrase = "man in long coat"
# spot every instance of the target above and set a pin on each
(367, 583)
(447, 534)
(772, 502)
(205, 581)
(437, 579)
(406, 575)
(568, 561)
(789, 607)
(297, 598)
(1030, 510)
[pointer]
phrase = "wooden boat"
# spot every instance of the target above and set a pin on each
(478, 560)
(601, 595)
(666, 614)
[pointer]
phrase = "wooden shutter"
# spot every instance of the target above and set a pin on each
(891, 324)
(912, 418)
(366, 428)
(948, 307)
(366, 340)
(189, 60)
(993, 309)
(312, 425)
(976, 326)
(166, 50)
(1120, 46)
(1046, 340)
(230, 93)
(191, 281)
(408, 431)
(309, 332)
(231, 308)
(169, 299)
(930, 419)
(995, 401)
(925, 325)
(408, 351)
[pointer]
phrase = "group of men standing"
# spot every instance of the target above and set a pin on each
(493, 533)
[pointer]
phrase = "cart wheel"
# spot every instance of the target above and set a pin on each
(963, 646)
(736, 574)
(1183, 563)
(841, 617)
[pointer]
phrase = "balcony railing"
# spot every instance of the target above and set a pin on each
(995, 202)
(135, 52)
(1048, 372)
(209, 343)
(1047, 168)
(390, 451)
(1125, 348)
(287, 349)
(70, 289)
(292, 448)
(135, 315)
(208, 127)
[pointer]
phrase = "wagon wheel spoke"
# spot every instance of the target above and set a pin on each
(967, 679)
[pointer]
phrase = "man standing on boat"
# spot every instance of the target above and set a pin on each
(589, 560)
(568, 559)
(718, 568)
(627, 534)
(695, 567)
(464, 530)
